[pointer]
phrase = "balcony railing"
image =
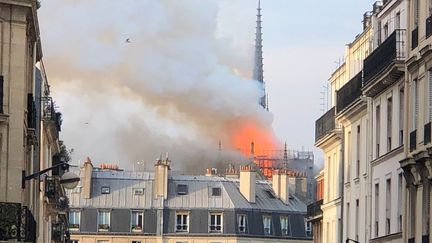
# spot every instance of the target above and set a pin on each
(427, 133)
(350, 92)
(429, 26)
(17, 223)
(325, 124)
(414, 38)
(314, 209)
(413, 140)
(391, 50)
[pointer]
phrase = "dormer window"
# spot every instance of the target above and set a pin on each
(105, 190)
(216, 191)
(182, 189)
(138, 191)
(270, 194)
(267, 224)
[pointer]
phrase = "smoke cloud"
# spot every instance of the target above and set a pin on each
(180, 86)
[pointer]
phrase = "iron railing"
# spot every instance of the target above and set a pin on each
(314, 209)
(17, 223)
(50, 114)
(414, 38)
(350, 92)
(427, 133)
(325, 124)
(391, 50)
(413, 140)
(429, 26)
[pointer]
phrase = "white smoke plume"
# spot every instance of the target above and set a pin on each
(179, 86)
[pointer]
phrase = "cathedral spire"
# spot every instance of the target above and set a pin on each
(258, 73)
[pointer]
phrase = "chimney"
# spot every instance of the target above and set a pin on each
(281, 185)
(247, 182)
(367, 18)
(377, 6)
(301, 186)
(87, 180)
(231, 172)
(161, 178)
(211, 172)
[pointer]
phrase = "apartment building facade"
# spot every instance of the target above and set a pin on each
(417, 164)
(124, 206)
(26, 133)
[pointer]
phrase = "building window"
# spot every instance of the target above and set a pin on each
(386, 31)
(416, 12)
(358, 147)
(348, 214)
(138, 191)
(389, 123)
(388, 205)
(267, 224)
(104, 220)
(241, 221)
(285, 229)
(137, 221)
(216, 191)
(401, 115)
(102, 241)
(357, 219)
(215, 224)
(400, 188)
(182, 189)
(74, 219)
(349, 156)
(308, 227)
(414, 105)
(377, 130)
(397, 20)
(74, 241)
(136, 241)
(182, 222)
(105, 190)
(429, 99)
(376, 209)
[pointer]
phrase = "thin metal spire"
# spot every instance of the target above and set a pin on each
(258, 73)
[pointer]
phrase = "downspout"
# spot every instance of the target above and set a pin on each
(342, 158)
(369, 145)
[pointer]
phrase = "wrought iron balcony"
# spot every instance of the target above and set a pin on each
(429, 26)
(325, 124)
(413, 140)
(17, 223)
(50, 114)
(427, 133)
(314, 210)
(414, 38)
(349, 93)
(55, 194)
(386, 61)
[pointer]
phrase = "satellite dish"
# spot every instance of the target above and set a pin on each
(69, 180)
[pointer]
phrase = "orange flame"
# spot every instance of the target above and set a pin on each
(263, 139)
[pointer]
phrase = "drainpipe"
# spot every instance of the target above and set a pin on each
(342, 158)
(369, 146)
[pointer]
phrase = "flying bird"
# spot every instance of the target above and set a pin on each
(128, 40)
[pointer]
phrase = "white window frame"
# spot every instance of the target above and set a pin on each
(105, 221)
(138, 191)
(267, 224)
(242, 224)
(76, 216)
(135, 221)
(184, 227)
(285, 227)
(214, 227)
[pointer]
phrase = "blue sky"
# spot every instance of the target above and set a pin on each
(302, 42)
